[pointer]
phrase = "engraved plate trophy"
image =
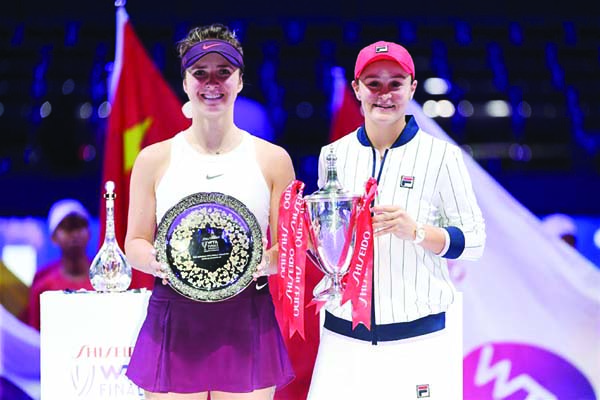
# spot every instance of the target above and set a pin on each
(110, 271)
(331, 220)
(212, 245)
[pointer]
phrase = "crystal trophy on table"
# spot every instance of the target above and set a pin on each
(110, 271)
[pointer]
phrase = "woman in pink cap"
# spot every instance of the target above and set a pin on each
(424, 213)
(186, 349)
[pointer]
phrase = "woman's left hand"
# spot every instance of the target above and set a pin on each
(393, 219)
(157, 269)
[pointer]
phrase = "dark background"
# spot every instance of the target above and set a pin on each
(542, 59)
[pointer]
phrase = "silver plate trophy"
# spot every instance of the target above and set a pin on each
(331, 214)
(212, 245)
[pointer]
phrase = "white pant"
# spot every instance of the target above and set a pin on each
(431, 364)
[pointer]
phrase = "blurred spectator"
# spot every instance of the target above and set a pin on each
(68, 223)
(562, 226)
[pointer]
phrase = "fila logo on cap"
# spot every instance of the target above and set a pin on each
(381, 49)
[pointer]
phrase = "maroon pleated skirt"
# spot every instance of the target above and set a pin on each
(186, 346)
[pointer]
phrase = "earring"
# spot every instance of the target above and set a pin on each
(186, 109)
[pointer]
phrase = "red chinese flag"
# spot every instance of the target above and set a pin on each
(346, 114)
(144, 110)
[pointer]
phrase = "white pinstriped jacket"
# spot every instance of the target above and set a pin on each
(428, 178)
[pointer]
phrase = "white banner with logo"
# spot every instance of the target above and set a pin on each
(531, 304)
(86, 342)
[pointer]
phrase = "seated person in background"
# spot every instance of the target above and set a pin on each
(68, 223)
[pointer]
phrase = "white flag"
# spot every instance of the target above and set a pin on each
(531, 304)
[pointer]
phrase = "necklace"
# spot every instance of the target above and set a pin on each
(224, 147)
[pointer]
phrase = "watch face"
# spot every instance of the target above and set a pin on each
(212, 244)
(419, 234)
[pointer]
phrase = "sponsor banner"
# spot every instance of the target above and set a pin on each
(87, 339)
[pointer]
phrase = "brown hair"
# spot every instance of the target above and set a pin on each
(213, 31)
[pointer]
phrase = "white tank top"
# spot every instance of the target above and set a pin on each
(235, 173)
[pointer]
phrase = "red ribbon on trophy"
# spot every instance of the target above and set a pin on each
(293, 241)
(292, 235)
(359, 280)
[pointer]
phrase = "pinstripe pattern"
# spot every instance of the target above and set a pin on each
(409, 281)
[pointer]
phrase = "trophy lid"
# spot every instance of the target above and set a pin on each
(332, 188)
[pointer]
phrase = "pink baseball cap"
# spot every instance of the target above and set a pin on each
(384, 51)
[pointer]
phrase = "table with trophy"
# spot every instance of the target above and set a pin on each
(211, 244)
